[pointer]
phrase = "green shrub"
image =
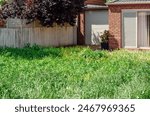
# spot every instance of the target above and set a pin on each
(2, 2)
(105, 37)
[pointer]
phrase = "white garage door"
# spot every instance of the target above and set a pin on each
(95, 23)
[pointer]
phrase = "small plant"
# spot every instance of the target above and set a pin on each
(104, 40)
(27, 45)
(105, 37)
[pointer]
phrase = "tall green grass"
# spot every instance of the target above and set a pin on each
(75, 72)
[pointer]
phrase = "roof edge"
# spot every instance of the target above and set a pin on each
(126, 3)
(98, 7)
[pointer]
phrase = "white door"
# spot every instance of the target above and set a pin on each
(129, 29)
(95, 23)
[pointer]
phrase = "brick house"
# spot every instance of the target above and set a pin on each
(92, 22)
(129, 24)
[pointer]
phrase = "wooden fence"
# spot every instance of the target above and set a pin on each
(56, 36)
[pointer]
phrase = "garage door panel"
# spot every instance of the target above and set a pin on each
(95, 23)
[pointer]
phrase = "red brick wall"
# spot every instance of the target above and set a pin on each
(81, 29)
(115, 22)
(99, 2)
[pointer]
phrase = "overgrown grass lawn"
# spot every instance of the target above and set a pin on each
(75, 72)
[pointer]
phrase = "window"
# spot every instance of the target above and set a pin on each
(129, 29)
(136, 29)
(144, 29)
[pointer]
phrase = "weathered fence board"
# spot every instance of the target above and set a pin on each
(56, 36)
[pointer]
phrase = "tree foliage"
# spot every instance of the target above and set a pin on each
(2, 2)
(47, 12)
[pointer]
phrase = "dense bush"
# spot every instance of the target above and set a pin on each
(2, 2)
(47, 12)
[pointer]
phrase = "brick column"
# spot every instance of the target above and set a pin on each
(81, 29)
(115, 28)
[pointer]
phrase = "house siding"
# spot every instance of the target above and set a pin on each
(115, 22)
